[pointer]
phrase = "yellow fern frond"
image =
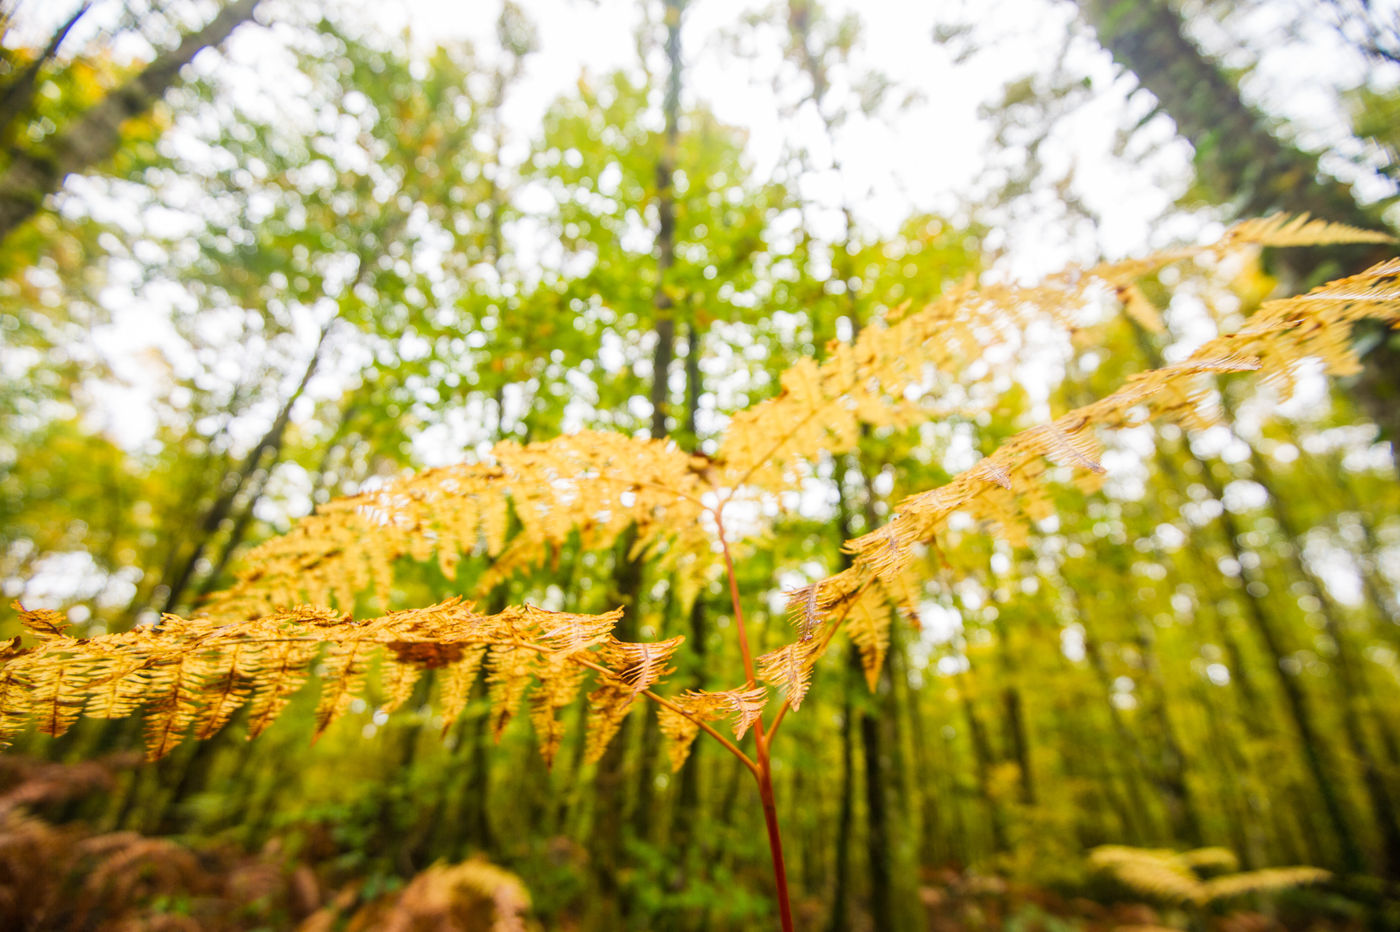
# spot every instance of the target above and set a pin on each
(16, 702)
(868, 626)
(1299, 230)
(1170, 877)
(285, 673)
(744, 706)
(680, 732)
(789, 668)
(456, 679)
(1002, 487)
(560, 681)
(638, 666)
(1140, 309)
(597, 485)
(192, 675)
(225, 690)
(474, 894)
(680, 725)
(397, 681)
(634, 669)
(1214, 860)
(1268, 880)
(1158, 874)
(509, 672)
(43, 623)
(876, 379)
(342, 680)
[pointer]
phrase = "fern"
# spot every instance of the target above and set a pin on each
(1170, 877)
(593, 490)
(1283, 230)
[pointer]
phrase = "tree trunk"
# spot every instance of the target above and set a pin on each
(1186, 822)
(845, 819)
(93, 137)
(1353, 693)
(1242, 162)
(982, 759)
(270, 443)
(879, 841)
(662, 301)
(1139, 810)
(612, 809)
(18, 95)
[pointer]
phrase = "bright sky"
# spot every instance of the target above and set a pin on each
(927, 158)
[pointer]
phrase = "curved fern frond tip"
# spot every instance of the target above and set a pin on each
(1281, 230)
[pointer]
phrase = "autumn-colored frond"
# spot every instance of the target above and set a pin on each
(679, 719)
(192, 675)
(1140, 308)
(680, 732)
(789, 669)
(1299, 230)
(1169, 876)
(560, 681)
(510, 669)
(343, 679)
(868, 626)
(512, 512)
(1158, 874)
(1267, 880)
(474, 894)
(455, 681)
(879, 378)
(634, 668)
(1214, 860)
(1005, 489)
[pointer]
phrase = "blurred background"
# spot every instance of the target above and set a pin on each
(258, 255)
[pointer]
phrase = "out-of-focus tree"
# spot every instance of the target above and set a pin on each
(93, 134)
(1242, 161)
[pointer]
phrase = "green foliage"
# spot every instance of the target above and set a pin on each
(1042, 656)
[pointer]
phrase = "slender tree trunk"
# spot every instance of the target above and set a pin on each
(18, 95)
(940, 829)
(688, 793)
(611, 805)
(1353, 692)
(238, 533)
(666, 223)
(982, 760)
(1018, 738)
(93, 137)
(845, 818)
(270, 444)
(1127, 740)
(879, 841)
(1236, 777)
(1186, 821)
